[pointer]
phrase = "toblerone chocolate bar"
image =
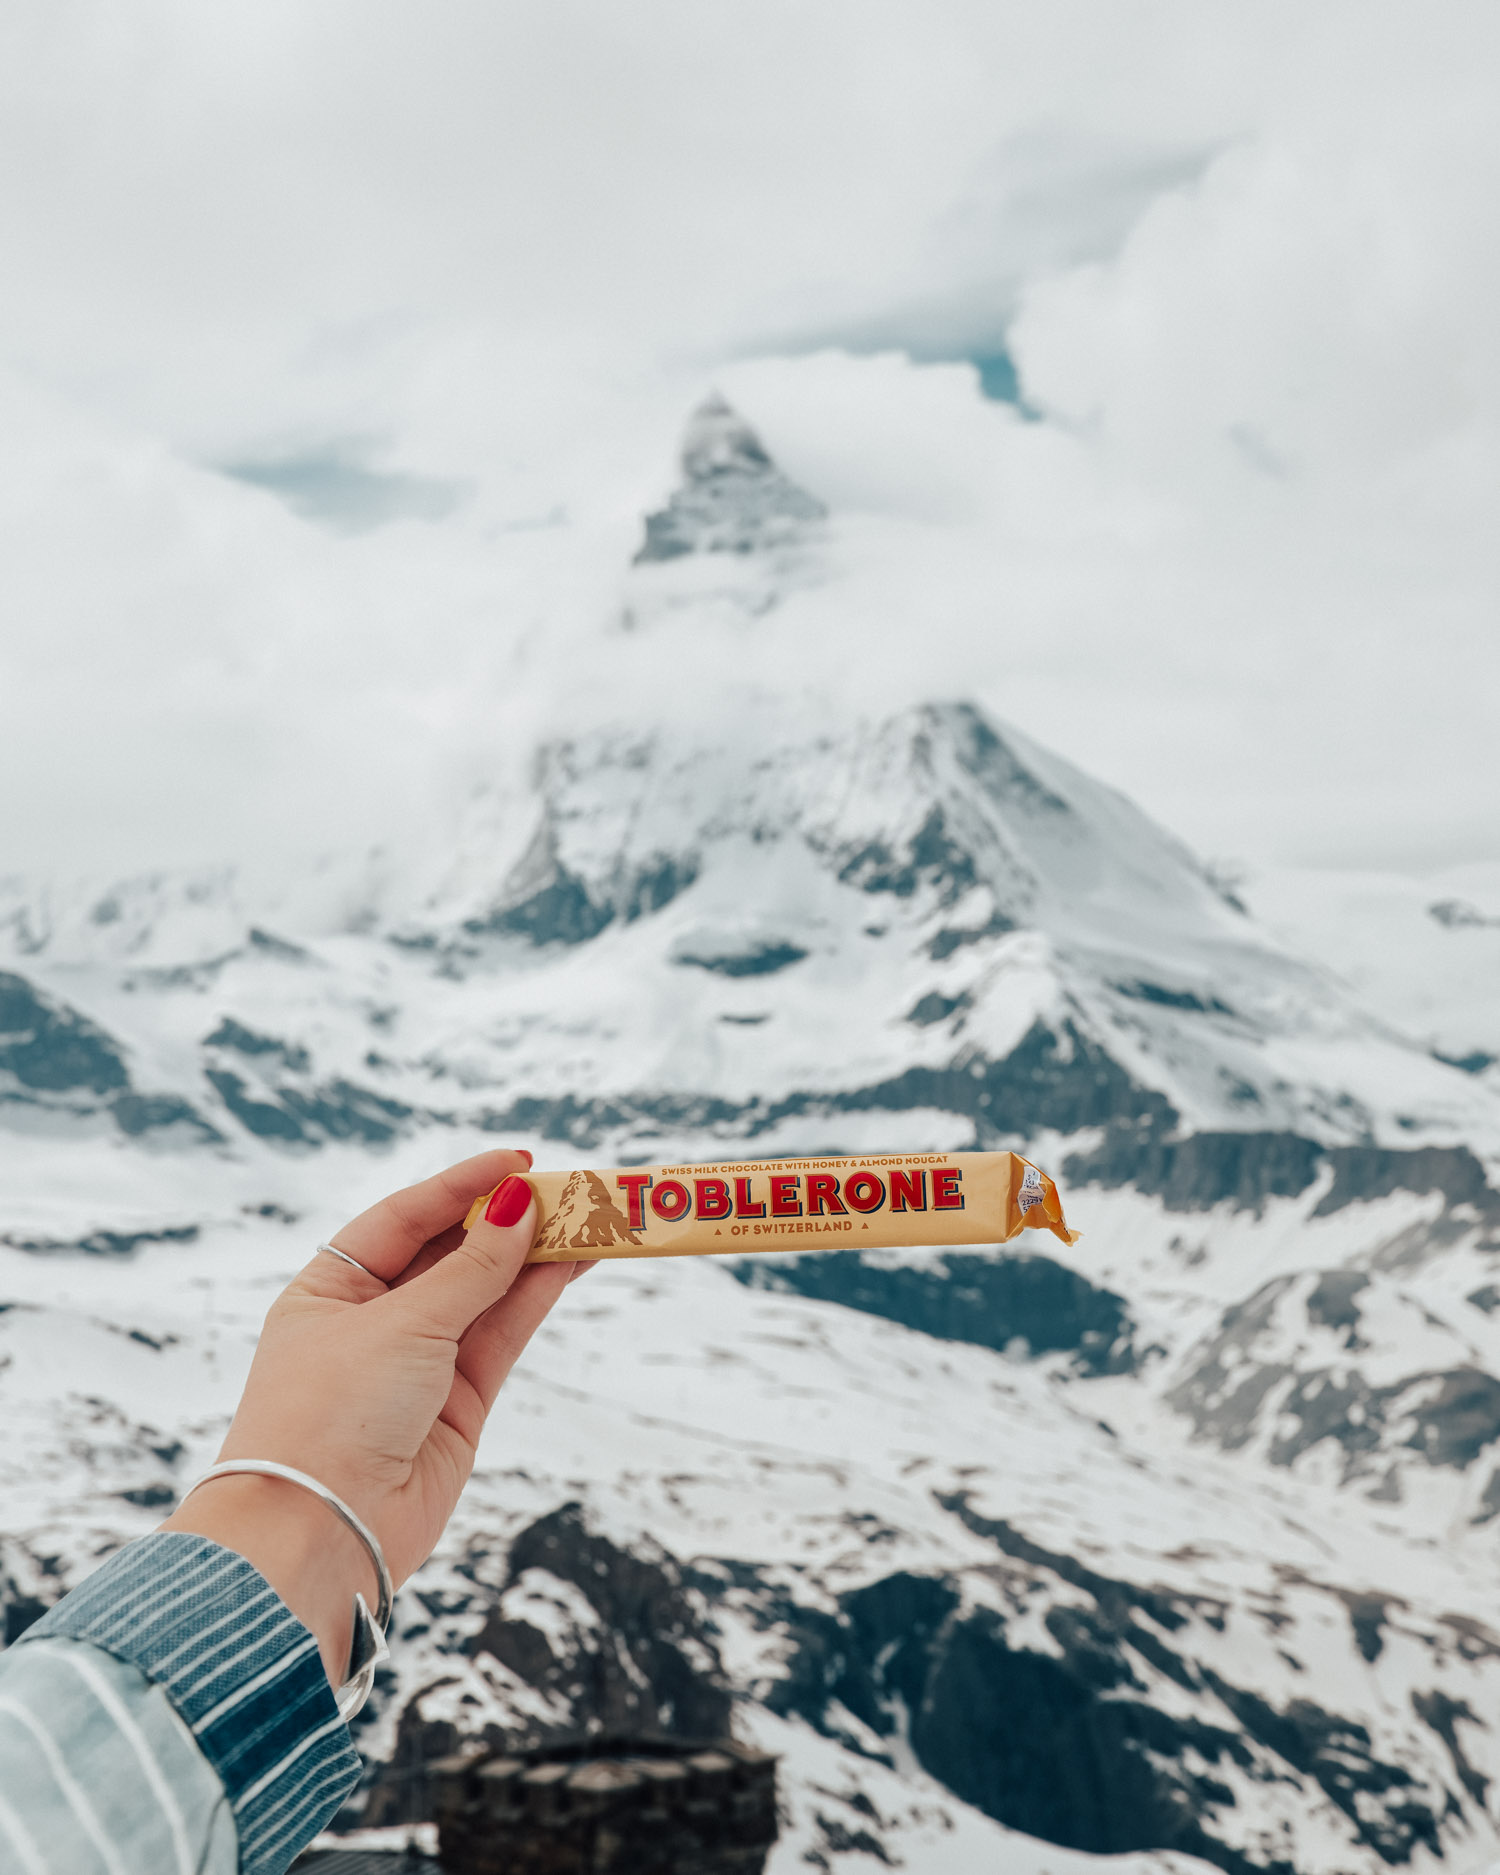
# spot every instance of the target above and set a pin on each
(861, 1202)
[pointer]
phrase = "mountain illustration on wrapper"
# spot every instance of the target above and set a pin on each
(587, 1218)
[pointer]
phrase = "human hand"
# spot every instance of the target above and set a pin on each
(378, 1386)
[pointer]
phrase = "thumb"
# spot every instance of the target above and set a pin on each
(477, 1272)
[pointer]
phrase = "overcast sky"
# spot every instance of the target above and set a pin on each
(1146, 355)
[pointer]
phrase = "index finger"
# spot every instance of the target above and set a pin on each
(387, 1236)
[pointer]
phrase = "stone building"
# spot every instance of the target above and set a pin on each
(607, 1806)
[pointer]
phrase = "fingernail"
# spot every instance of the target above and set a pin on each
(522, 1153)
(509, 1202)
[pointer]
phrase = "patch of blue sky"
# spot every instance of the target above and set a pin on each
(335, 485)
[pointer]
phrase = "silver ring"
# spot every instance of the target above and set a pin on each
(344, 1257)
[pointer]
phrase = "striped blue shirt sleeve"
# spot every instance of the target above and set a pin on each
(197, 1627)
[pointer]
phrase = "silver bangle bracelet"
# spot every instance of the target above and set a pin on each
(367, 1646)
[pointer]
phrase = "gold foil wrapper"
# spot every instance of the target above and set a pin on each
(863, 1202)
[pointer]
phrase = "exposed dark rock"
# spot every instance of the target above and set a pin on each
(548, 904)
(1337, 1753)
(342, 1110)
(650, 1665)
(1368, 1610)
(1054, 1745)
(657, 883)
(1368, 1614)
(950, 938)
(733, 498)
(933, 858)
(1036, 1743)
(149, 1496)
(559, 912)
(1473, 1640)
(989, 1301)
(761, 961)
(138, 1115)
(934, 1008)
(1227, 1388)
(1246, 1169)
(1173, 999)
(983, 753)
(643, 1661)
(1443, 1714)
(337, 1110)
(1054, 1080)
(284, 952)
(1117, 1599)
(193, 976)
(1362, 1173)
(1327, 1404)
(1456, 914)
(1456, 1414)
(266, 1119)
(1332, 1302)
(156, 1343)
(105, 1242)
(837, 1838)
(1475, 1062)
(1489, 1500)
(1202, 1170)
(1448, 1417)
(583, 1122)
(1377, 1798)
(232, 1034)
(21, 1613)
(52, 1049)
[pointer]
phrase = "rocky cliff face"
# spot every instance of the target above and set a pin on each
(1176, 1547)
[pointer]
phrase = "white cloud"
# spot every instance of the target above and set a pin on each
(1242, 566)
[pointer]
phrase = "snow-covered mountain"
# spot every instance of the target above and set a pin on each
(1178, 1547)
(1425, 950)
(929, 916)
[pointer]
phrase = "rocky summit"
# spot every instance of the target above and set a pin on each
(732, 499)
(1175, 1547)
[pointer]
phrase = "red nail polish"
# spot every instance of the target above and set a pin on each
(522, 1153)
(509, 1202)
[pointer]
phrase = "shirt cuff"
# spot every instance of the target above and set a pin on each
(240, 1668)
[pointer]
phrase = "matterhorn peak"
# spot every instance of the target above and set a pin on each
(733, 498)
